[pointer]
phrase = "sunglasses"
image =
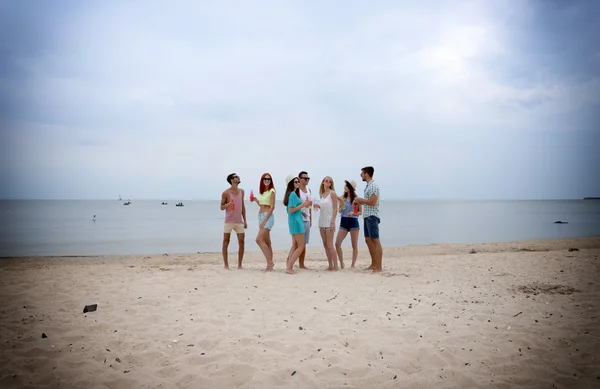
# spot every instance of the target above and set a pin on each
(267, 179)
(296, 182)
(305, 178)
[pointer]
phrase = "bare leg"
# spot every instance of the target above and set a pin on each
(226, 238)
(301, 264)
(270, 247)
(330, 248)
(261, 241)
(299, 242)
(242, 245)
(290, 252)
(378, 256)
(338, 246)
(324, 239)
(371, 247)
(301, 259)
(292, 249)
(354, 238)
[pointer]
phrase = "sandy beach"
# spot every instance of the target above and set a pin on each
(498, 315)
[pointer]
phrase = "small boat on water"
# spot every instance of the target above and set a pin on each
(179, 204)
(164, 203)
(127, 203)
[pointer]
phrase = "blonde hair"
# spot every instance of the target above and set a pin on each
(322, 187)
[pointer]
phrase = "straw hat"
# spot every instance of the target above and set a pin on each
(353, 183)
(289, 178)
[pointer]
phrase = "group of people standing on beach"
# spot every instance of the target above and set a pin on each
(300, 205)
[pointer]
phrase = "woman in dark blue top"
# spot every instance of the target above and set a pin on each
(348, 222)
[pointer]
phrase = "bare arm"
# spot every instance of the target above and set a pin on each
(224, 201)
(299, 207)
(336, 205)
(296, 209)
(371, 201)
(244, 209)
(271, 206)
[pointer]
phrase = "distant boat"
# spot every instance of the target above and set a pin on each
(164, 203)
(127, 203)
(120, 199)
(180, 204)
(591, 198)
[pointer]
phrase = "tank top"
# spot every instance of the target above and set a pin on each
(305, 210)
(234, 215)
(349, 208)
(326, 212)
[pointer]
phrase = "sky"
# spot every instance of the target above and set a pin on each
(162, 100)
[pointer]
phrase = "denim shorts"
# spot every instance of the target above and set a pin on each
(349, 223)
(270, 221)
(371, 227)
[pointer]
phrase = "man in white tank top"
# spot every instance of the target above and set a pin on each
(305, 194)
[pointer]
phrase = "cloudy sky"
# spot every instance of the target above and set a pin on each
(161, 100)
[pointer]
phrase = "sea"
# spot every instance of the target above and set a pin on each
(108, 227)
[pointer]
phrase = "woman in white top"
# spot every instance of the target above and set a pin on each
(328, 212)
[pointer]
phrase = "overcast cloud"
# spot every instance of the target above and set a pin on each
(161, 100)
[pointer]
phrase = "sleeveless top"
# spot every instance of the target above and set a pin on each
(234, 214)
(304, 197)
(326, 214)
(265, 197)
(349, 208)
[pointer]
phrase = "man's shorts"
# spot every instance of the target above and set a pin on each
(371, 227)
(270, 221)
(237, 227)
(306, 232)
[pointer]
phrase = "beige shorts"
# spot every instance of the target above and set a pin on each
(238, 227)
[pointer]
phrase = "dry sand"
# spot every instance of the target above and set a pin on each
(522, 314)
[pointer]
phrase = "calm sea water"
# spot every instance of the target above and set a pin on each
(34, 228)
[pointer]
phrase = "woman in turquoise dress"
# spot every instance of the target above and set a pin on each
(296, 226)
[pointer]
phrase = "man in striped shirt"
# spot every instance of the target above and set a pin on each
(371, 218)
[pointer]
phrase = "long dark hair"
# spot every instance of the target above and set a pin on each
(351, 192)
(289, 190)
